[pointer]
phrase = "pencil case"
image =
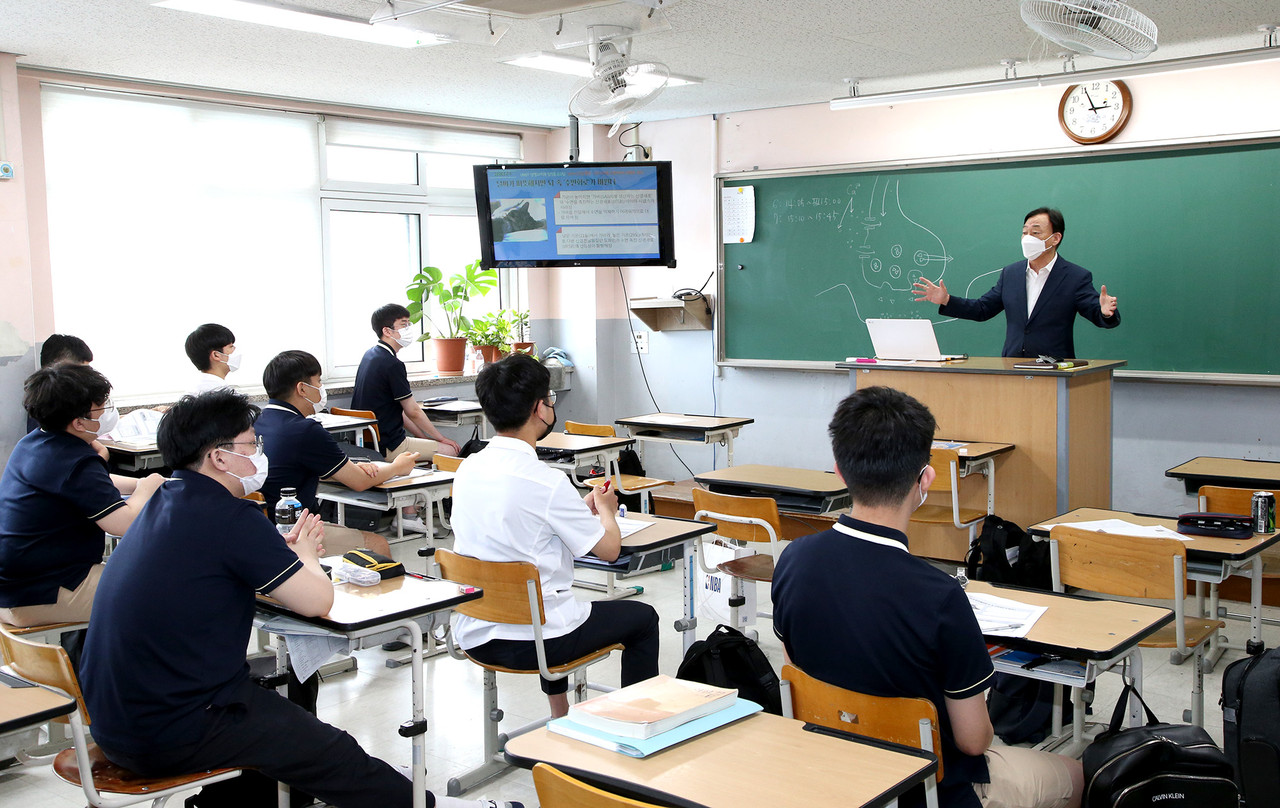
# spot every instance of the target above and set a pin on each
(385, 567)
(1221, 525)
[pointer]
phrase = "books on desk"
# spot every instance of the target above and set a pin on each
(651, 707)
(643, 747)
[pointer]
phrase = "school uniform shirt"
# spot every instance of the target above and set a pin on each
(382, 382)
(300, 453)
(855, 609)
(54, 489)
(173, 614)
(510, 506)
(206, 382)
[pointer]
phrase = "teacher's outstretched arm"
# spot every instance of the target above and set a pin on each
(1107, 303)
(936, 293)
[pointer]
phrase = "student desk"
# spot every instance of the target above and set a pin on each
(371, 615)
(801, 490)
(667, 540)
(1093, 631)
(24, 705)
(1059, 420)
(425, 490)
(458, 414)
(585, 450)
(676, 501)
(762, 760)
(1209, 560)
(1226, 471)
(669, 427)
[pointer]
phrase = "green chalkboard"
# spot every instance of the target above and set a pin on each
(1187, 239)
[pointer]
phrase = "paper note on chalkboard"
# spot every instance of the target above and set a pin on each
(738, 214)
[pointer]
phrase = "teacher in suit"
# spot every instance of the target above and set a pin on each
(1039, 296)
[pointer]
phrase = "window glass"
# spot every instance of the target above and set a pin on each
(379, 166)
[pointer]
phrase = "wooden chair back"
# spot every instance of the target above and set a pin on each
(371, 429)
(445, 462)
(1128, 566)
(1219, 499)
(505, 585)
(593, 430)
(763, 508)
(893, 719)
(43, 664)
(943, 461)
(558, 790)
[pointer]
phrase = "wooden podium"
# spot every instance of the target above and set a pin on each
(1059, 422)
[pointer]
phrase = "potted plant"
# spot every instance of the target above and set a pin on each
(520, 324)
(450, 294)
(491, 333)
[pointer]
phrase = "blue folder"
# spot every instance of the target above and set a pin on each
(643, 747)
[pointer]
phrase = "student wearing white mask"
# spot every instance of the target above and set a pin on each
(1040, 295)
(302, 452)
(57, 498)
(212, 349)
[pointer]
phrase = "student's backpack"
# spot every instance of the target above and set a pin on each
(1251, 726)
(1004, 553)
(1021, 709)
(729, 658)
(1155, 765)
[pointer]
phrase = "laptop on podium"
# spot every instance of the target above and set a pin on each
(907, 341)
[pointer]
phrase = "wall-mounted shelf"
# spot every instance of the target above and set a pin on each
(672, 314)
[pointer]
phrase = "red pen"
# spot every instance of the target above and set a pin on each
(604, 489)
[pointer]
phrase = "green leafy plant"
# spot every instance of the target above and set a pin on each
(450, 294)
(521, 325)
(491, 329)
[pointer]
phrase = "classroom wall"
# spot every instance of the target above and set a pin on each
(1156, 424)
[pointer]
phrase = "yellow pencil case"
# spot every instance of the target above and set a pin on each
(377, 562)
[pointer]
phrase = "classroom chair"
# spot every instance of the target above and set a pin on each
(512, 595)
(946, 462)
(908, 721)
(1136, 567)
(443, 462)
(369, 433)
(623, 483)
(558, 790)
(109, 785)
(742, 519)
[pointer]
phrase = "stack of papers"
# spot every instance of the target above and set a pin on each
(416, 472)
(637, 747)
(1003, 617)
(629, 526)
(651, 707)
(1123, 528)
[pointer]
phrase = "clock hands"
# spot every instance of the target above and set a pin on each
(1092, 108)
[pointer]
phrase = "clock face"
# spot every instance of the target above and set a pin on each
(1096, 111)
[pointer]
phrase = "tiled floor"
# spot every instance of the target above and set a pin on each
(371, 702)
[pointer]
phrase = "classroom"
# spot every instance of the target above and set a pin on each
(784, 128)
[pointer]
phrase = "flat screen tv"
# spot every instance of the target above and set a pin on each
(575, 214)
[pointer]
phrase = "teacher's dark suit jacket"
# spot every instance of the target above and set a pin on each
(1049, 329)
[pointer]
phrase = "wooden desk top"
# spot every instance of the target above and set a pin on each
(676, 421)
(421, 481)
(580, 444)
(976, 450)
(1264, 473)
(131, 447)
(339, 423)
(356, 608)
(677, 501)
(781, 478)
(985, 364)
(459, 406)
(1199, 548)
(760, 760)
(1076, 627)
(22, 707)
(665, 531)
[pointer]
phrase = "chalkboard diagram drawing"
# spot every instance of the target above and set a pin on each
(894, 251)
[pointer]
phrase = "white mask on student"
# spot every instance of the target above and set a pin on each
(923, 494)
(233, 360)
(107, 421)
(324, 398)
(254, 481)
(1033, 248)
(405, 337)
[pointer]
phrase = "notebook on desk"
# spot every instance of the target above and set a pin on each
(907, 341)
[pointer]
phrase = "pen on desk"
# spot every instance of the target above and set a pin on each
(1002, 628)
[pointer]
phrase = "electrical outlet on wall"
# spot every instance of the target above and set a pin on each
(641, 344)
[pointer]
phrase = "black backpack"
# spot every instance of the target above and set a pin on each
(988, 558)
(728, 658)
(1251, 726)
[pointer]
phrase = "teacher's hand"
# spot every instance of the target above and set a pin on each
(927, 290)
(1107, 302)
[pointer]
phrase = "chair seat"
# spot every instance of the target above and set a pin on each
(566, 667)
(113, 779)
(758, 567)
(1197, 629)
(941, 515)
(630, 482)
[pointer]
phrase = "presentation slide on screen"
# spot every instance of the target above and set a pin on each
(546, 214)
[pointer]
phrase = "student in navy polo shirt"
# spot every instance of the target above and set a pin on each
(212, 349)
(57, 497)
(382, 385)
(302, 453)
(59, 348)
(855, 609)
(164, 673)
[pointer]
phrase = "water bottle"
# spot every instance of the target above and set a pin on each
(288, 509)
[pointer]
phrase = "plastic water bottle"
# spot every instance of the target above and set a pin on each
(288, 509)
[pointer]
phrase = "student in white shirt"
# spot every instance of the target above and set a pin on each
(212, 349)
(509, 506)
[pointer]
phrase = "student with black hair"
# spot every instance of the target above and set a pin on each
(66, 348)
(57, 498)
(164, 673)
(510, 506)
(302, 453)
(212, 349)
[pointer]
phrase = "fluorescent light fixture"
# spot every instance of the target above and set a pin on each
(1052, 79)
(576, 66)
(279, 15)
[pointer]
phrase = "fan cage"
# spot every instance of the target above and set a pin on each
(1106, 28)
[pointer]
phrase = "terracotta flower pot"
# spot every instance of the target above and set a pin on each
(451, 354)
(491, 353)
(522, 347)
